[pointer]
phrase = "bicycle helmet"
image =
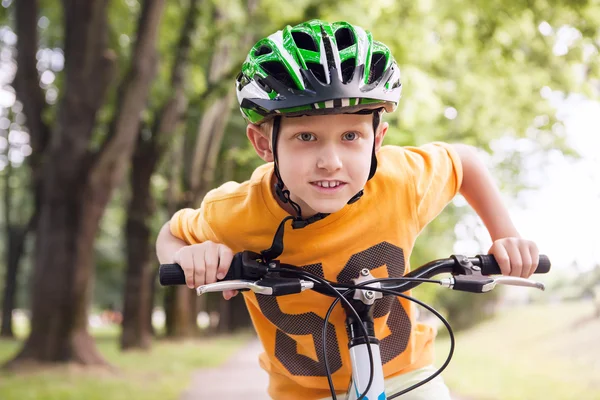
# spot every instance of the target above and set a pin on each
(317, 68)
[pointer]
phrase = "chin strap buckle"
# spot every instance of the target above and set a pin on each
(298, 223)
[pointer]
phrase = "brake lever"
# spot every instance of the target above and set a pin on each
(237, 284)
(478, 283)
(515, 281)
(265, 286)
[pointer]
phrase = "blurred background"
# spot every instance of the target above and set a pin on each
(114, 114)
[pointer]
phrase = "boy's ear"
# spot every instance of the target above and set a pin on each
(381, 131)
(260, 141)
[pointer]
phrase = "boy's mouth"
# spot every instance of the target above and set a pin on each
(328, 186)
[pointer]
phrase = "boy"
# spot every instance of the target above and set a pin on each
(313, 96)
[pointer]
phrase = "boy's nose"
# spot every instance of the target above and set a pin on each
(329, 159)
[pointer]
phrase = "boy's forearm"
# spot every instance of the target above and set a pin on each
(167, 245)
(483, 195)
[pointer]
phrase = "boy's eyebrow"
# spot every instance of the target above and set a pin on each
(317, 127)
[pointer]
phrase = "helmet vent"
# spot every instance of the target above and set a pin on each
(377, 67)
(278, 71)
(304, 41)
(344, 38)
(348, 67)
(318, 71)
(262, 50)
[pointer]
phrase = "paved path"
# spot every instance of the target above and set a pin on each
(239, 378)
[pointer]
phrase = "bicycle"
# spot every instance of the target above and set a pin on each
(470, 274)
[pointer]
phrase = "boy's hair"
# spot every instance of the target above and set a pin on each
(266, 128)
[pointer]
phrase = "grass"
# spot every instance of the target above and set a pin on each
(549, 352)
(161, 374)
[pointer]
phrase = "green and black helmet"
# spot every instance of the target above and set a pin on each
(317, 68)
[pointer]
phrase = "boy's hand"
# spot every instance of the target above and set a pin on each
(515, 256)
(204, 263)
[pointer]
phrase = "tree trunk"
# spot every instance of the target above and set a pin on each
(29, 92)
(206, 154)
(75, 191)
(178, 311)
(233, 315)
(138, 293)
(10, 283)
(150, 310)
(10, 292)
(14, 251)
(177, 298)
(15, 247)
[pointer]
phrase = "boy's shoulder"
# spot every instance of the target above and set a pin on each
(394, 159)
(235, 192)
(234, 200)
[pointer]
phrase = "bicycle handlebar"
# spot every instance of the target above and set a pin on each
(248, 266)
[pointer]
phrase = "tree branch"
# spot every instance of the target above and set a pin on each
(27, 81)
(132, 97)
(212, 126)
(89, 69)
(172, 111)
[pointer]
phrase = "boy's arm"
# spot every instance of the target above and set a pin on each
(167, 245)
(516, 256)
(202, 263)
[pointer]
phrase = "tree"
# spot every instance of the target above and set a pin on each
(148, 153)
(201, 149)
(76, 181)
(18, 222)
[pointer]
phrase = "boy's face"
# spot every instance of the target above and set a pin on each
(323, 160)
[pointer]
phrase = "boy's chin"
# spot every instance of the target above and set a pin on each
(328, 207)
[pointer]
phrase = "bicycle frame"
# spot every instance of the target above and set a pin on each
(363, 302)
(361, 367)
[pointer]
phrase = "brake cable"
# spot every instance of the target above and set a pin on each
(339, 296)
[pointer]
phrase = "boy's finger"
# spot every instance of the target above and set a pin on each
(225, 258)
(501, 256)
(199, 267)
(228, 294)
(211, 259)
(535, 256)
(516, 262)
(526, 259)
(186, 262)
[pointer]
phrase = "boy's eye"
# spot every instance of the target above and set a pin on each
(350, 136)
(306, 137)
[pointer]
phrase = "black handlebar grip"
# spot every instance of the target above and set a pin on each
(489, 266)
(170, 275)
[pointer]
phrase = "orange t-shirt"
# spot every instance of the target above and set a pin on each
(411, 187)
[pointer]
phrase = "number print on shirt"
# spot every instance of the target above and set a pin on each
(286, 348)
